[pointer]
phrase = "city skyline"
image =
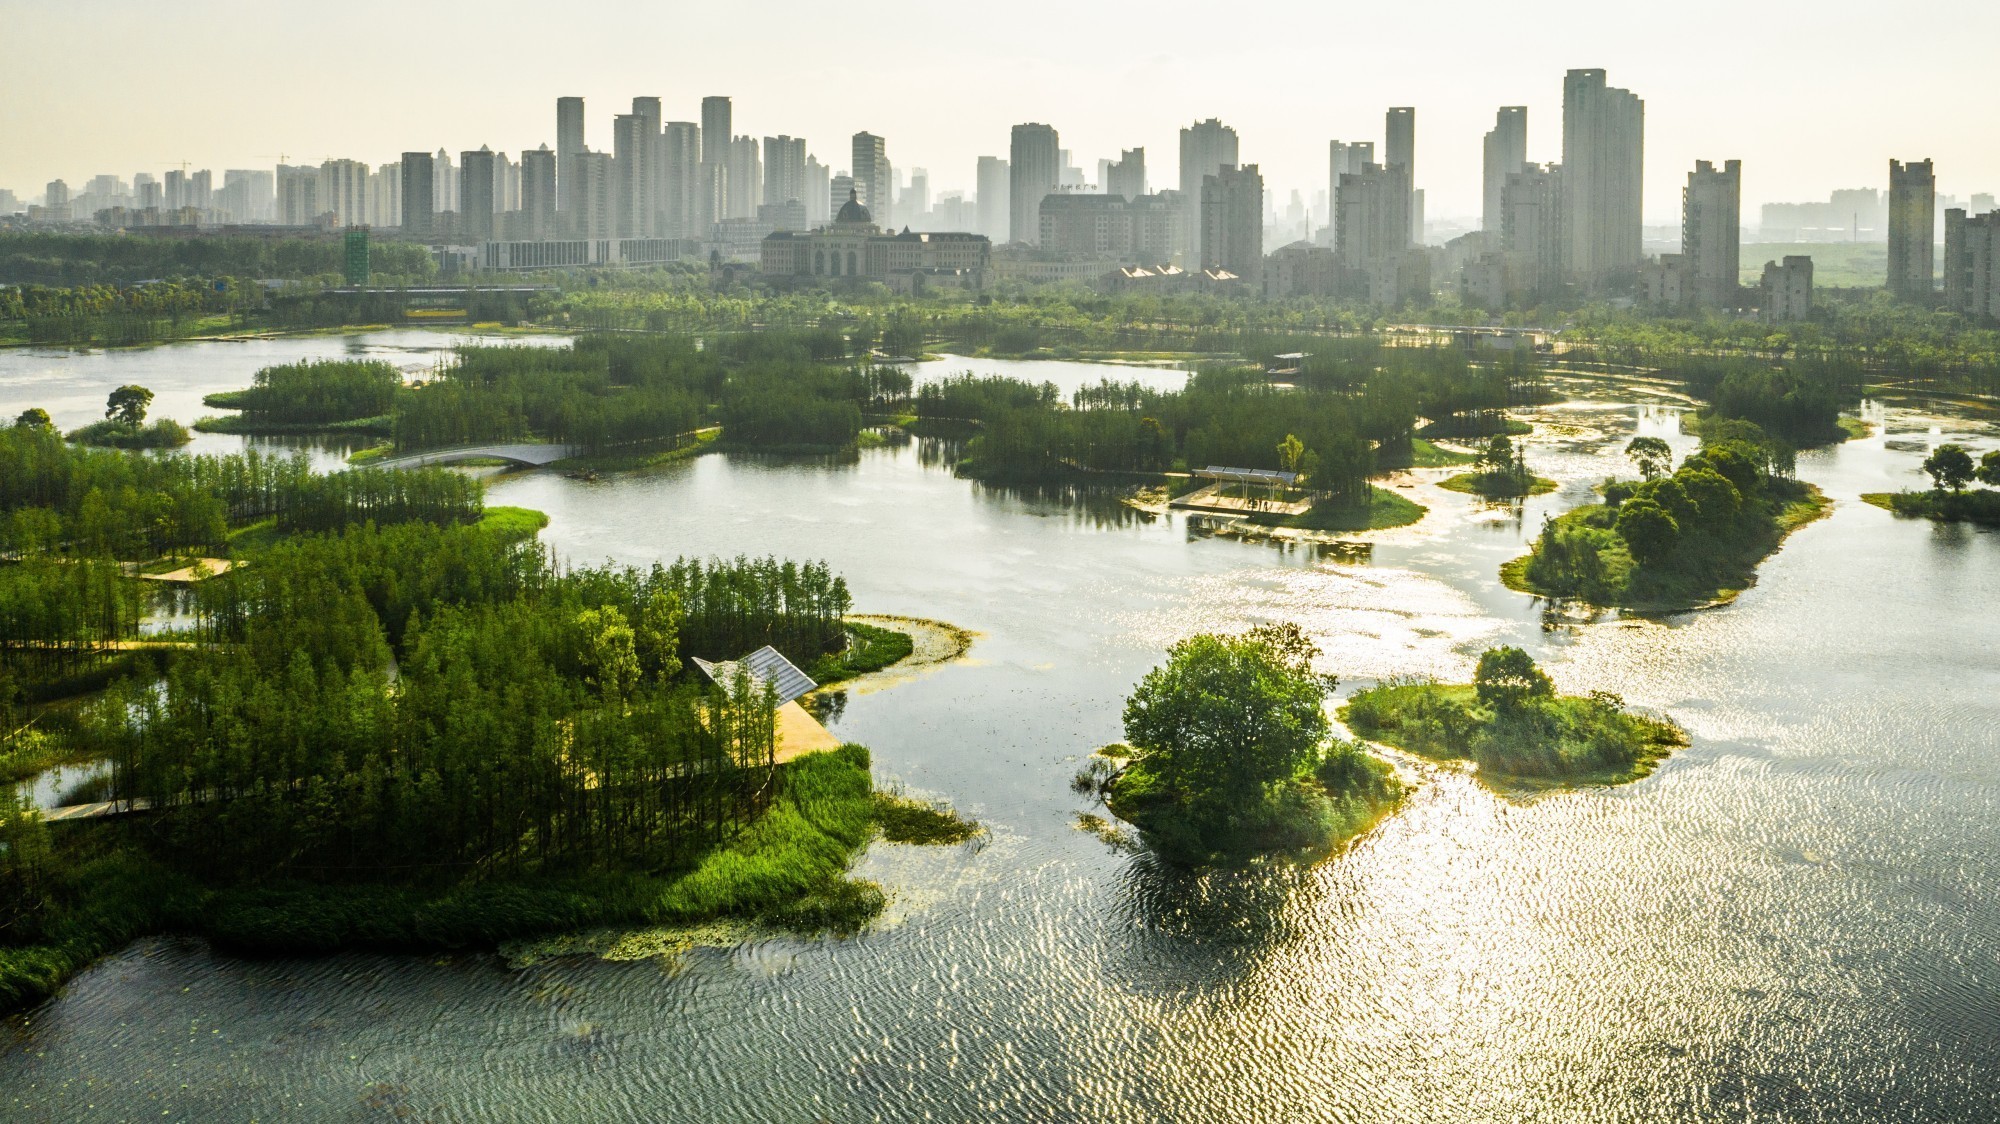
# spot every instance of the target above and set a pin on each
(1808, 135)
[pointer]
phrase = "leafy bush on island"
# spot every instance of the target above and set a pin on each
(1513, 725)
(1951, 468)
(1502, 473)
(1230, 756)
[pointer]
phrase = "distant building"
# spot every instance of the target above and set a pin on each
(581, 253)
(991, 197)
(417, 197)
(1399, 150)
(789, 215)
(871, 172)
(1034, 169)
(682, 212)
(1092, 227)
(1666, 281)
(1786, 292)
(854, 248)
(1126, 176)
(1972, 264)
(590, 199)
(1506, 153)
(476, 205)
(298, 195)
(1604, 133)
(538, 194)
(1532, 232)
(1371, 221)
(1206, 148)
(1232, 221)
(634, 170)
(1711, 233)
(1342, 160)
(785, 170)
(1912, 228)
(569, 144)
(1300, 269)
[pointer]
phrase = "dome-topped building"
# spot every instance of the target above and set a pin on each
(853, 214)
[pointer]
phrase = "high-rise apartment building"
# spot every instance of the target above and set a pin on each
(419, 195)
(248, 195)
(298, 195)
(201, 189)
(385, 196)
(991, 189)
(55, 199)
(716, 123)
(444, 177)
(839, 190)
(1972, 264)
(681, 180)
(1912, 226)
(1206, 148)
(591, 201)
(817, 192)
(1232, 222)
(1506, 153)
(343, 190)
(870, 169)
(1399, 150)
(1531, 230)
(1342, 159)
(1372, 216)
(569, 144)
(475, 195)
(538, 195)
(784, 169)
(633, 166)
(746, 179)
(1711, 209)
(1126, 176)
(1604, 142)
(1034, 168)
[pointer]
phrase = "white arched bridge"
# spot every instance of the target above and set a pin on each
(533, 456)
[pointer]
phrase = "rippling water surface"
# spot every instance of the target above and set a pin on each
(1794, 919)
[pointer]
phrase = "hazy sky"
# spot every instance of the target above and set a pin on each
(1810, 95)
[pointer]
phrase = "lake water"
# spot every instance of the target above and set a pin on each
(1793, 919)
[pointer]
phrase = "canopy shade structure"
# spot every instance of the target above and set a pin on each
(1264, 476)
(763, 666)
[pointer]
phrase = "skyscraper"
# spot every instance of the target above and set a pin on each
(538, 194)
(419, 195)
(569, 142)
(1711, 207)
(475, 194)
(1506, 153)
(715, 128)
(817, 192)
(632, 169)
(1127, 176)
(994, 212)
(1372, 223)
(1034, 167)
(1399, 150)
(1604, 143)
(1232, 221)
(1343, 160)
(870, 169)
(745, 179)
(1972, 263)
(1912, 219)
(1531, 228)
(590, 202)
(681, 180)
(1206, 147)
(343, 190)
(784, 169)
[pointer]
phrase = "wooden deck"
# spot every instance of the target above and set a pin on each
(800, 733)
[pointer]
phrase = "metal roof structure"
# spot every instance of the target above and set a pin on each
(1249, 475)
(765, 665)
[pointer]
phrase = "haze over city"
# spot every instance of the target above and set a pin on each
(1156, 564)
(1805, 97)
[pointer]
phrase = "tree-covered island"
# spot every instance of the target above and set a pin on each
(384, 716)
(1951, 468)
(1511, 723)
(1229, 755)
(1678, 538)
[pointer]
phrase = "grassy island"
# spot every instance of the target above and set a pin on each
(1229, 756)
(396, 721)
(1510, 722)
(1502, 473)
(1951, 468)
(1676, 540)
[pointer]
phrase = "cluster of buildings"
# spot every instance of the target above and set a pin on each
(668, 191)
